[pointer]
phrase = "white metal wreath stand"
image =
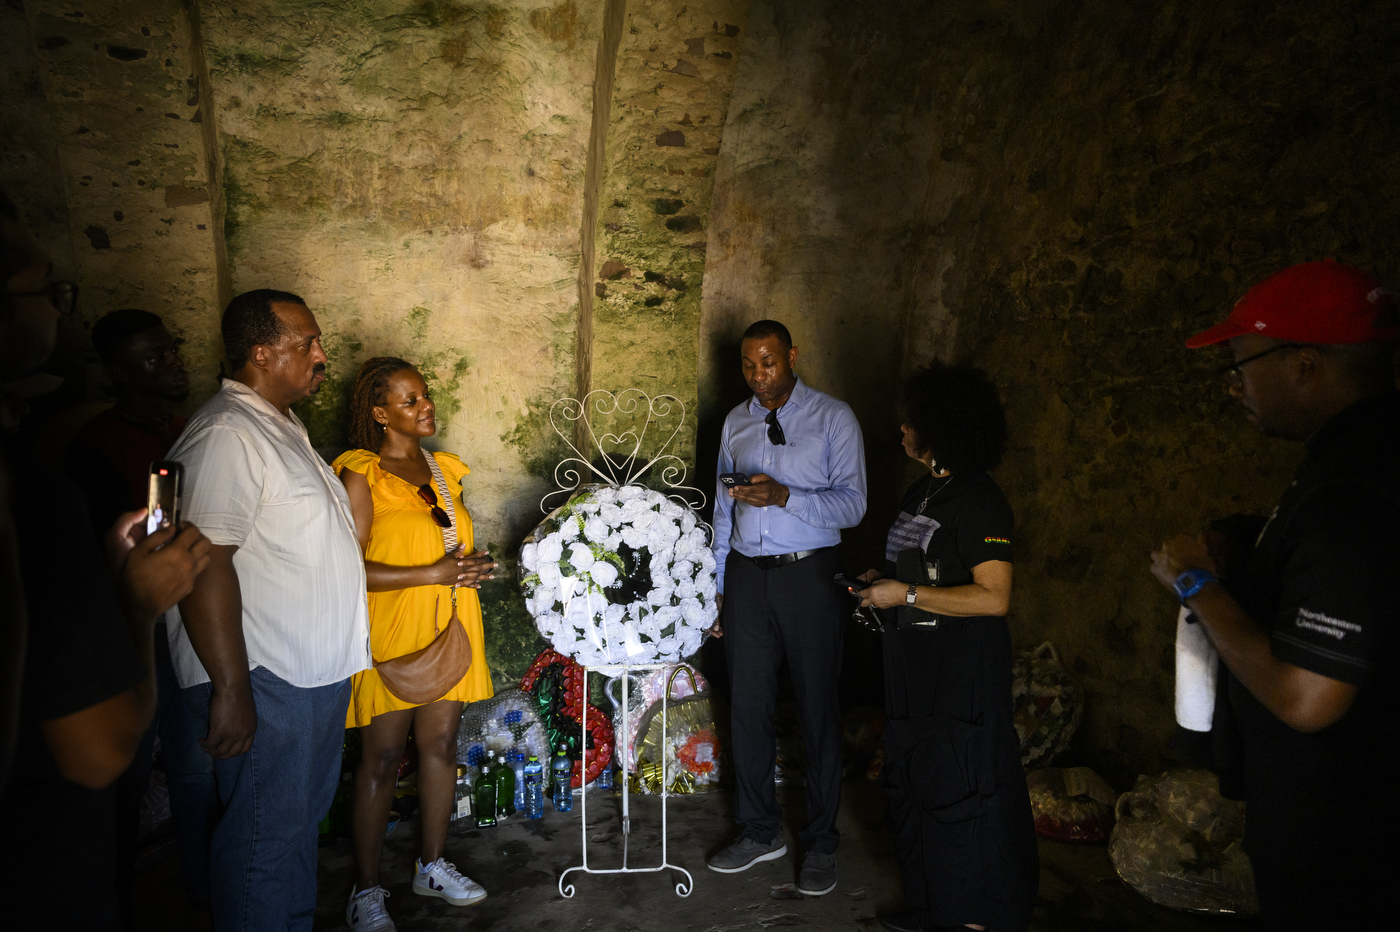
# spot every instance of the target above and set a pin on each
(684, 887)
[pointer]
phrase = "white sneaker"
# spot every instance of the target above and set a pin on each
(443, 880)
(366, 913)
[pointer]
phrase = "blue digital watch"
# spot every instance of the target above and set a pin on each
(1190, 582)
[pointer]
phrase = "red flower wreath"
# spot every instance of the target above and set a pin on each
(571, 704)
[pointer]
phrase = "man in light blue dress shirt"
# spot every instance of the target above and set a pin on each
(775, 548)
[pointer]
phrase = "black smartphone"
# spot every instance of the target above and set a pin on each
(850, 585)
(164, 486)
(731, 479)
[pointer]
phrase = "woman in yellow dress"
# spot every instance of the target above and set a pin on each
(400, 516)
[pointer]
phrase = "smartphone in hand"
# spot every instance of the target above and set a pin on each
(731, 479)
(850, 585)
(164, 486)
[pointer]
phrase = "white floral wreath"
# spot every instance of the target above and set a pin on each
(621, 575)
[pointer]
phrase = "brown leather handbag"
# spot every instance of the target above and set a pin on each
(428, 674)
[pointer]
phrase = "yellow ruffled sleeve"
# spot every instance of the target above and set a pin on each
(452, 466)
(361, 461)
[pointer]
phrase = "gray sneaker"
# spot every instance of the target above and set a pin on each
(818, 874)
(745, 853)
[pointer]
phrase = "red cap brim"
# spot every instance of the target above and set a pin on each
(1225, 330)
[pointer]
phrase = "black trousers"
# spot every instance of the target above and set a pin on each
(794, 612)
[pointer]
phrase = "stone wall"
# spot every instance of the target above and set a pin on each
(414, 171)
(112, 173)
(1058, 191)
(1127, 201)
(675, 69)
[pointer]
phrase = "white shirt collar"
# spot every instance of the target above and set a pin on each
(249, 396)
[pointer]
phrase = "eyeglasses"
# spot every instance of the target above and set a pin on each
(425, 492)
(775, 430)
(64, 296)
(1231, 373)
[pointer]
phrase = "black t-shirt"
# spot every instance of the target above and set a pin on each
(79, 654)
(974, 525)
(1324, 580)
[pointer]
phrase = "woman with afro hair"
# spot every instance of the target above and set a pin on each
(964, 833)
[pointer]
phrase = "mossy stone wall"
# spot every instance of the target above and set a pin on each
(675, 70)
(1058, 191)
(414, 171)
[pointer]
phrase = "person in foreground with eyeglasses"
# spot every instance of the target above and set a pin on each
(265, 645)
(417, 540)
(1313, 647)
(775, 552)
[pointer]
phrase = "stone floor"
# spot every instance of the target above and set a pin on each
(519, 864)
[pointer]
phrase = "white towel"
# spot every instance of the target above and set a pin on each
(1196, 669)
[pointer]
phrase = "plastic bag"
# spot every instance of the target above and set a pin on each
(500, 723)
(643, 691)
(1177, 842)
(1047, 705)
(685, 754)
(1074, 804)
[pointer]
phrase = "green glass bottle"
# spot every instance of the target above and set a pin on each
(486, 797)
(505, 789)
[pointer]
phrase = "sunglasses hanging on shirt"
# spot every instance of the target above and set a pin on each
(775, 430)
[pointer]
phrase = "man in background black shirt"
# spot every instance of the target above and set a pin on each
(109, 459)
(86, 692)
(1312, 651)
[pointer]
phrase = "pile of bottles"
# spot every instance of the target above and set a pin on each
(510, 783)
(504, 723)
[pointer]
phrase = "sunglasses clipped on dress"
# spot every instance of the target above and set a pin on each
(425, 492)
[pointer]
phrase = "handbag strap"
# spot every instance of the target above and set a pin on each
(449, 533)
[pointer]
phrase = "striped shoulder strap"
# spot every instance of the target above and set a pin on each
(449, 533)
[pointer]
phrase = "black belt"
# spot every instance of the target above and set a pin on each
(774, 561)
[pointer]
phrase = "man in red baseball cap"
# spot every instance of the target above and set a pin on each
(1313, 643)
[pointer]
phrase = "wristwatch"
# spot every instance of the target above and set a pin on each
(1190, 582)
(912, 594)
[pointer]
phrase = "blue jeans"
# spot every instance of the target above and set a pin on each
(189, 773)
(263, 860)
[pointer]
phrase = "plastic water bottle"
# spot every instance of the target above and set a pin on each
(486, 798)
(517, 766)
(505, 789)
(533, 779)
(563, 772)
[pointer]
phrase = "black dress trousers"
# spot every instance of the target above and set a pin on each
(794, 611)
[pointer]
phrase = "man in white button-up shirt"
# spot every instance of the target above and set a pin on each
(266, 643)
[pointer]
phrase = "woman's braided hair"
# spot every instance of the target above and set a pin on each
(371, 388)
